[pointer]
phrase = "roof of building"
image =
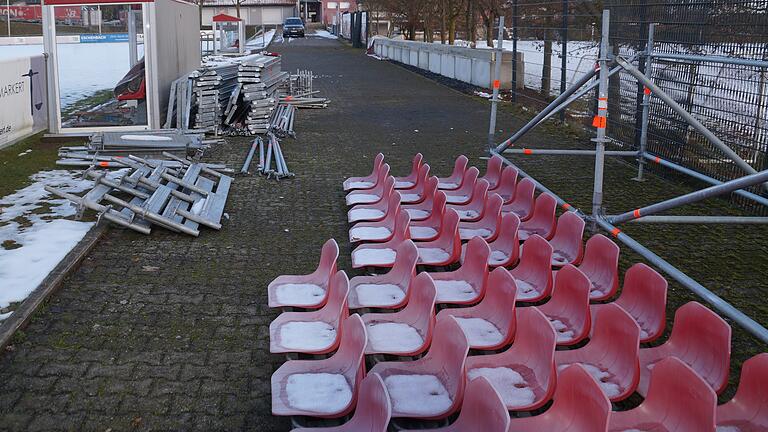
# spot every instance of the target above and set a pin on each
(225, 18)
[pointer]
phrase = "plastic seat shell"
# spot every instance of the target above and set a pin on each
(326, 268)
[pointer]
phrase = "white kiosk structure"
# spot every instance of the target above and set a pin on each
(230, 32)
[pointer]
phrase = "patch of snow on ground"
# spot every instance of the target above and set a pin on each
(323, 34)
(513, 389)
(307, 335)
(393, 337)
(563, 334)
(454, 290)
(368, 256)
(483, 94)
(356, 215)
(372, 294)
(318, 392)
(602, 377)
(480, 332)
(299, 294)
(432, 255)
(369, 233)
(417, 394)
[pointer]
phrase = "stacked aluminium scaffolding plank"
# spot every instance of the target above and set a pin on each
(260, 80)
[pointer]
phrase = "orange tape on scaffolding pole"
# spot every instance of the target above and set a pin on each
(600, 121)
(615, 232)
(527, 151)
(496, 84)
(636, 213)
(647, 91)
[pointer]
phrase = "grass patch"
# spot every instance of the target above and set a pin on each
(15, 170)
(87, 103)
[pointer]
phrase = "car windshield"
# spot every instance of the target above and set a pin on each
(293, 21)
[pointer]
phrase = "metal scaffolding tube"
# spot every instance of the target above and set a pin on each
(713, 59)
(692, 197)
(687, 117)
(601, 120)
(499, 54)
(738, 220)
(527, 151)
(697, 175)
(646, 102)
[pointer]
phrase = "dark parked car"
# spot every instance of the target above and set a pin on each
(293, 27)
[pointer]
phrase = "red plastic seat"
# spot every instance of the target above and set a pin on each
(380, 231)
(382, 190)
(382, 254)
(373, 212)
(542, 220)
(423, 209)
(505, 248)
(431, 387)
(567, 244)
(407, 332)
(306, 291)
(493, 172)
(522, 203)
(390, 290)
(644, 297)
(611, 354)
(490, 325)
(455, 180)
(473, 209)
(372, 413)
(314, 332)
(325, 388)
(533, 275)
(368, 181)
(678, 401)
(701, 339)
(601, 265)
(420, 190)
(464, 194)
(446, 248)
(486, 227)
(467, 284)
(748, 410)
(524, 375)
(507, 185)
(409, 181)
(579, 406)
(568, 309)
(429, 228)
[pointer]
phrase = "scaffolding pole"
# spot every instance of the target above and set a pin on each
(601, 121)
(738, 220)
(646, 102)
(496, 83)
(528, 151)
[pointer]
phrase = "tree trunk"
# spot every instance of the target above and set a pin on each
(546, 71)
(489, 30)
(452, 30)
(442, 21)
(472, 22)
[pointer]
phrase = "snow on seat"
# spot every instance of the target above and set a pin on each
(568, 309)
(423, 209)
(446, 248)
(678, 400)
(487, 226)
(748, 410)
(367, 181)
(306, 291)
(533, 275)
(456, 179)
(429, 228)
(325, 388)
(390, 290)
(377, 231)
(473, 209)
(420, 190)
(567, 246)
(409, 331)
(611, 354)
(542, 221)
(601, 265)
(382, 254)
(522, 203)
(644, 297)
(431, 387)
(315, 332)
(382, 189)
(373, 212)
(701, 339)
(463, 194)
(579, 406)
(493, 172)
(482, 410)
(467, 284)
(524, 375)
(489, 325)
(372, 413)
(507, 185)
(505, 248)
(410, 180)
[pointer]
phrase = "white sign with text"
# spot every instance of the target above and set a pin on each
(23, 105)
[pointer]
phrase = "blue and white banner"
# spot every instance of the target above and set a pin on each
(106, 37)
(23, 105)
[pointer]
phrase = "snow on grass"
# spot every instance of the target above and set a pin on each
(369, 256)
(513, 389)
(323, 34)
(318, 392)
(392, 337)
(24, 153)
(299, 294)
(417, 394)
(480, 332)
(483, 94)
(432, 255)
(372, 294)
(369, 233)
(454, 290)
(307, 335)
(602, 376)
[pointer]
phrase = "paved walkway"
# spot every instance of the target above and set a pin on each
(165, 332)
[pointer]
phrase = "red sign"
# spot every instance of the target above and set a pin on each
(90, 2)
(35, 13)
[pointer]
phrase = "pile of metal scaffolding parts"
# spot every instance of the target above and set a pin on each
(273, 151)
(179, 196)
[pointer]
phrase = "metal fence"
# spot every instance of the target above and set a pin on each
(712, 58)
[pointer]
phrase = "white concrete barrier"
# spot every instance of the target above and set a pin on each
(470, 65)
